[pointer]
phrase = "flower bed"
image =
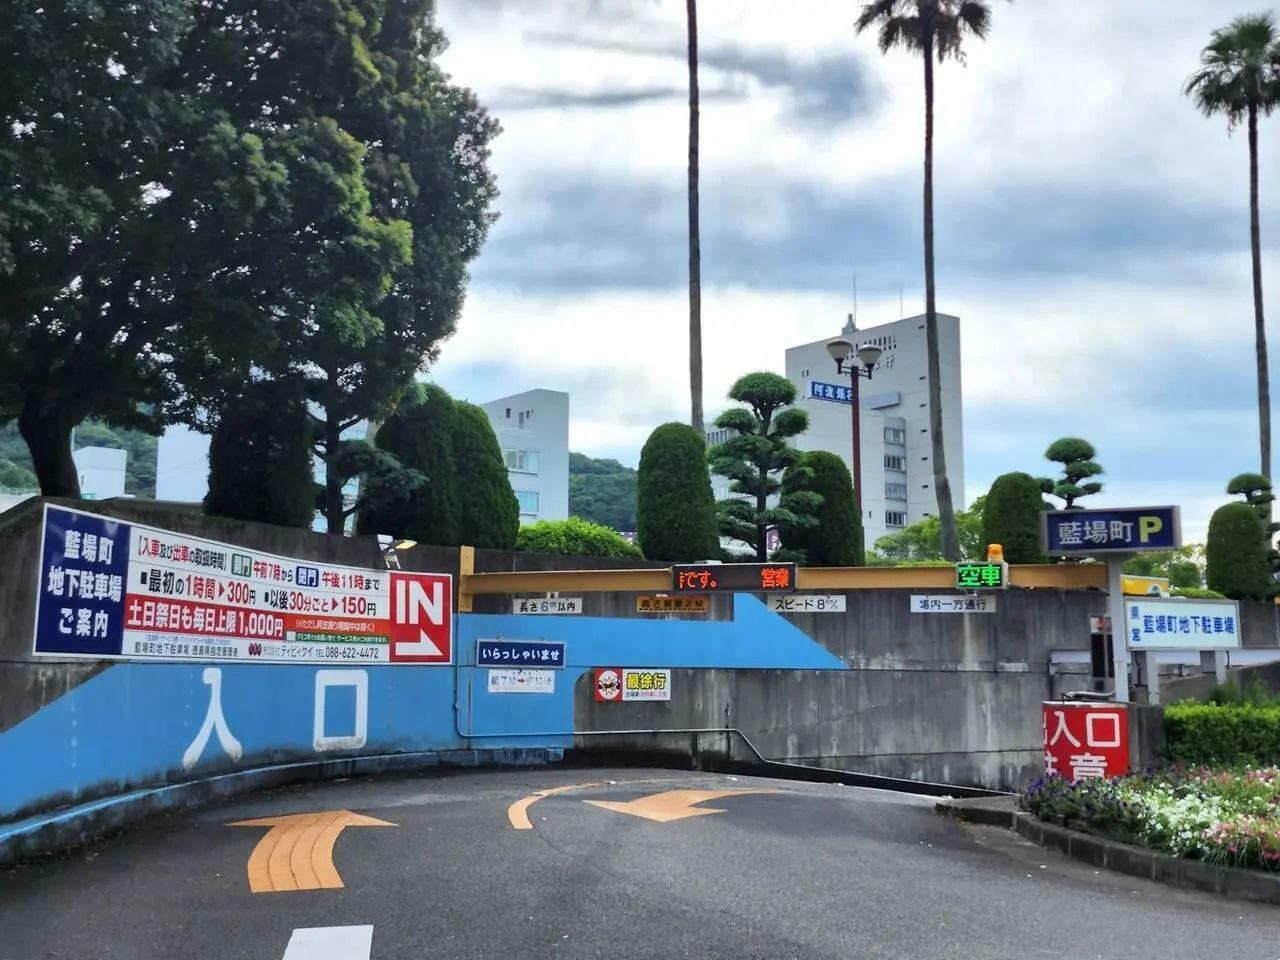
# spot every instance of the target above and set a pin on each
(1230, 818)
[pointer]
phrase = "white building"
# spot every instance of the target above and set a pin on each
(533, 432)
(101, 471)
(897, 469)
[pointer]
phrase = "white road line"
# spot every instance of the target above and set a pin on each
(330, 943)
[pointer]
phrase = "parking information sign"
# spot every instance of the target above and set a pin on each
(115, 590)
(1157, 623)
(1125, 530)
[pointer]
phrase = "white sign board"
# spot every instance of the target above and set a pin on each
(1172, 624)
(806, 603)
(522, 681)
(952, 603)
(547, 605)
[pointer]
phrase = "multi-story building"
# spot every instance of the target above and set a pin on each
(897, 467)
(533, 431)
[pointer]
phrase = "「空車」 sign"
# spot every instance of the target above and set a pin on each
(1086, 739)
(116, 590)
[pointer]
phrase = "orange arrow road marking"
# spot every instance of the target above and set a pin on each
(297, 852)
(671, 805)
(518, 812)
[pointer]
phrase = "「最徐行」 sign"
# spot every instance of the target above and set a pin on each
(117, 590)
(616, 684)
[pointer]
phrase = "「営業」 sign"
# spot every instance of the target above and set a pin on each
(117, 590)
(982, 575)
(1086, 739)
(547, 605)
(808, 603)
(1125, 530)
(1158, 623)
(952, 603)
(728, 577)
(615, 684)
(662, 604)
(522, 681)
(528, 653)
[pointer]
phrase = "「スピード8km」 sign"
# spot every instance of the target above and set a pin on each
(116, 590)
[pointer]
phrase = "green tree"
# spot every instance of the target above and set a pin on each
(140, 462)
(1012, 517)
(1184, 567)
(675, 508)
(1076, 458)
(695, 243)
(419, 436)
(1236, 562)
(1239, 76)
(930, 27)
(260, 457)
(1256, 490)
(754, 459)
(602, 491)
(836, 539)
(573, 537)
(921, 542)
(489, 515)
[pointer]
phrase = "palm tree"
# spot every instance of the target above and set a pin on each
(695, 243)
(931, 27)
(1240, 77)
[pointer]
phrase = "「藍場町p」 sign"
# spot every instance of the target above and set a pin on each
(117, 590)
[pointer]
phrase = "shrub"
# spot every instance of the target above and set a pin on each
(488, 512)
(836, 539)
(420, 435)
(260, 457)
(1236, 562)
(675, 508)
(1208, 733)
(1011, 517)
(1195, 593)
(573, 537)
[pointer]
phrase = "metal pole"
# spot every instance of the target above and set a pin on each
(1119, 646)
(857, 439)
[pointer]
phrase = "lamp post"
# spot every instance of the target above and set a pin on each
(867, 355)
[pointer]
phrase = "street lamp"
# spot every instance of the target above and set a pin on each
(867, 356)
(391, 548)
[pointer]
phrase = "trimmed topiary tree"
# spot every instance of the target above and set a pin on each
(488, 512)
(1076, 458)
(836, 539)
(420, 435)
(260, 464)
(574, 537)
(1011, 517)
(675, 508)
(1236, 562)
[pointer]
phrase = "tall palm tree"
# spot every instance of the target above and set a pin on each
(1239, 77)
(931, 27)
(695, 243)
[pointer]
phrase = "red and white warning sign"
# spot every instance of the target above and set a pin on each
(607, 683)
(613, 684)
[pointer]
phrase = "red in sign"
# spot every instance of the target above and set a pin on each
(1086, 740)
(421, 628)
(607, 683)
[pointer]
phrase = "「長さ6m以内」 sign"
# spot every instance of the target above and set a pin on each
(116, 590)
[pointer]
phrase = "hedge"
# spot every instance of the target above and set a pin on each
(1210, 733)
(573, 537)
(836, 539)
(1011, 517)
(1236, 561)
(675, 508)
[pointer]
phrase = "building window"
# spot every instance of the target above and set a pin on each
(895, 491)
(894, 435)
(521, 461)
(895, 463)
(528, 500)
(508, 413)
(895, 518)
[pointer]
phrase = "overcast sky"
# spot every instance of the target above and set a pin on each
(1092, 226)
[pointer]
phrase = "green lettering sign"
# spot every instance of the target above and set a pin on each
(981, 576)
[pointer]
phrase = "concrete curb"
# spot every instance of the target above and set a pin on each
(1120, 857)
(47, 833)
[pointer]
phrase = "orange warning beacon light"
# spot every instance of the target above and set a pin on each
(995, 553)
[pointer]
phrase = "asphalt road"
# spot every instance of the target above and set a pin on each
(806, 871)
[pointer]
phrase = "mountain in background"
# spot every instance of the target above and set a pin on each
(140, 466)
(602, 491)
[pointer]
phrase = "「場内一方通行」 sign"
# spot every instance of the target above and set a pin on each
(728, 577)
(807, 603)
(982, 575)
(547, 605)
(1128, 530)
(111, 589)
(952, 603)
(524, 653)
(615, 684)
(1170, 623)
